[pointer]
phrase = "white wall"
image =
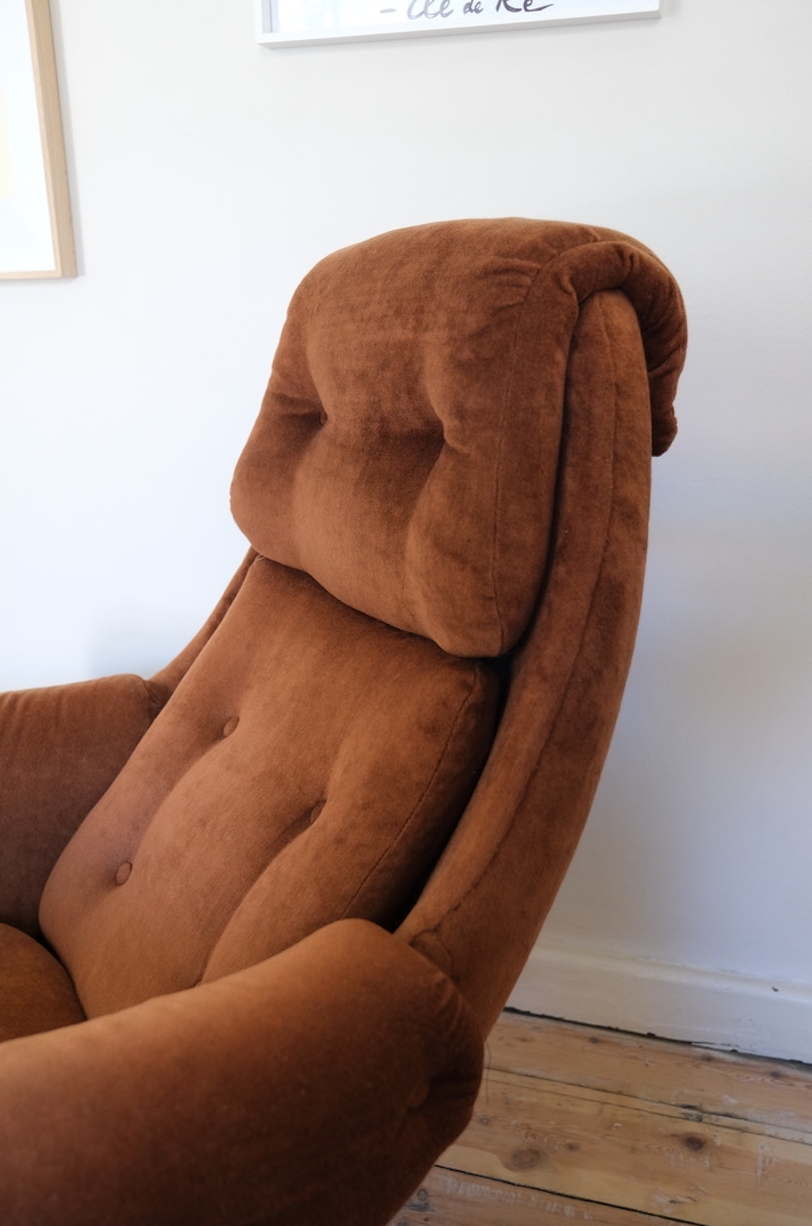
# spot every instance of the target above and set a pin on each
(209, 174)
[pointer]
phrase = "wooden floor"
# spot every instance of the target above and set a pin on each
(575, 1125)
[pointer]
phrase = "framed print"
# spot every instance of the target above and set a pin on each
(292, 23)
(36, 236)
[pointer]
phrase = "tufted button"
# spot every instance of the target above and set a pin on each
(230, 725)
(123, 872)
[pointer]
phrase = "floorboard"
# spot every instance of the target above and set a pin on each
(582, 1125)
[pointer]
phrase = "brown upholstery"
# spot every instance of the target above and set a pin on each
(407, 447)
(266, 800)
(61, 748)
(299, 1091)
(36, 992)
(292, 879)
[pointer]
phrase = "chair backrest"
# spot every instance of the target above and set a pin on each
(446, 495)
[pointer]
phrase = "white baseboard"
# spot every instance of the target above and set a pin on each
(767, 1017)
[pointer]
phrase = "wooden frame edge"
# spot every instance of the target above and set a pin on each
(43, 61)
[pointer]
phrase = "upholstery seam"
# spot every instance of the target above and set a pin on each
(500, 459)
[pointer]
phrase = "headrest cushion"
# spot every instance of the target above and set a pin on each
(406, 451)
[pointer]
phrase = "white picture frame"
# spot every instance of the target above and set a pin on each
(298, 23)
(36, 234)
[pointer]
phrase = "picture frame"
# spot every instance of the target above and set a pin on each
(298, 23)
(36, 232)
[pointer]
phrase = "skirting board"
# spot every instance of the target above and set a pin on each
(765, 1017)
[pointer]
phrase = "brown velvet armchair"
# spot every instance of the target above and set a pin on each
(259, 911)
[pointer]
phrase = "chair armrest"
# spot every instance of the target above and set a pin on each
(315, 1089)
(60, 749)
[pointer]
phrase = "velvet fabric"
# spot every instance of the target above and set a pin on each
(60, 749)
(311, 1088)
(36, 992)
(395, 718)
(484, 906)
(407, 447)
(309, 766)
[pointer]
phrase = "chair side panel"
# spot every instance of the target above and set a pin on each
(485, 904)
